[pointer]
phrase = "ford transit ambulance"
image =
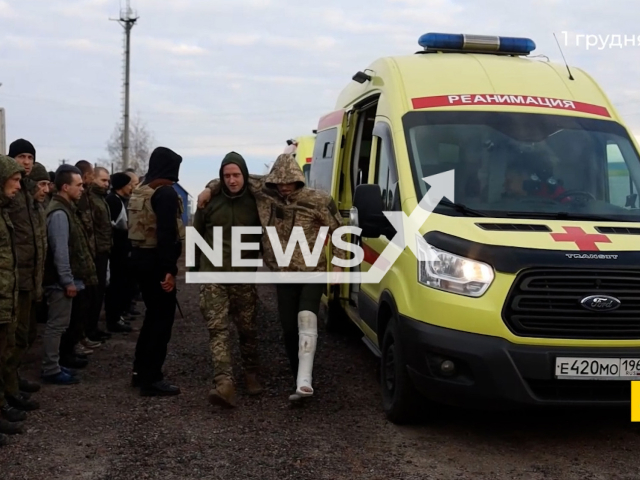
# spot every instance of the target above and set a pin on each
(526, 289)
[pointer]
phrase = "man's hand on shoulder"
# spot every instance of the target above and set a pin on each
(204, 197)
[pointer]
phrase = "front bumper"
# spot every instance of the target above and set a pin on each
(492, 372)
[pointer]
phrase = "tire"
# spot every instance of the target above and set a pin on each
(400, 399)
(335, 315)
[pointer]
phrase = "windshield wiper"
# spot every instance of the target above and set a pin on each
(561, 216)
(458, 207)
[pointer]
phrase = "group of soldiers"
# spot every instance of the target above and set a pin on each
(65, 252)
(281, 200)
(68, 246)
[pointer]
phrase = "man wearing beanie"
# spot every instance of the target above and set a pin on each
(156, 232)
(26, 333)
(24, 216)
(52, 189)
(118, 298)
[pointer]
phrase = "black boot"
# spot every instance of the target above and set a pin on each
(22, 403)
(11, 428)
(119, 327)
(12, 414)
(99, 336)
(28, 386)
(4, 440)
(73, 361)
(159, 389)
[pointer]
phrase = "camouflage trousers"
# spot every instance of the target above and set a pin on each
(221, 304)
(20, 334)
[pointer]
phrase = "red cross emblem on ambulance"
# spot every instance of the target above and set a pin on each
(584, 241)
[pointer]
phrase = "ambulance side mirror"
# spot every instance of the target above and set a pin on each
(367, 201)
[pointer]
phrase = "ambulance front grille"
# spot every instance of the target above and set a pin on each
(546, 303)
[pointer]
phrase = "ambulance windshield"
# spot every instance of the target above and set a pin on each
(527, 165)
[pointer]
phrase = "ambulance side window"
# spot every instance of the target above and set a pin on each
(618, 175)
(382, 174)
(387, 178)
(321, 173)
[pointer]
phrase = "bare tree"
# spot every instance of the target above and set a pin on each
(141, 143)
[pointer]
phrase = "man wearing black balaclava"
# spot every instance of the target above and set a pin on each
(156, 232)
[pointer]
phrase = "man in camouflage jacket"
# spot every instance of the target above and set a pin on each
(82, 319)
(40, 185)
(97, 210)
(10, 175)
(233, 205)
(25, 218)
(26, 330)
(285, 202)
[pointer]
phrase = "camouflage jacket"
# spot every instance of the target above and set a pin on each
(307, 208)
(40, 226)
(84, 213)
(23, 213)
(8, 254)
(100, 219)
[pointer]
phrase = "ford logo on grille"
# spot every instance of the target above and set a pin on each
(600, 303)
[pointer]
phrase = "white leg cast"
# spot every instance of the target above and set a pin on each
(308, 337)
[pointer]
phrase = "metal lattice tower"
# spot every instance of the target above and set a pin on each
(127, 19)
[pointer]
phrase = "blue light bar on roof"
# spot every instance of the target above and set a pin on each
(476, 43)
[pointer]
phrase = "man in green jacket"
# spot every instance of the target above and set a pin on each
(232, 206)
(10, 175)
(23, 212)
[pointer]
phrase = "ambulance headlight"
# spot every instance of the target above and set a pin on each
(452, 273)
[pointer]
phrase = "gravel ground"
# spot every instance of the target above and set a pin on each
(101, 429)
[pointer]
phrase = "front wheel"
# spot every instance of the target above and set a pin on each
(336, 318)
(400, 399)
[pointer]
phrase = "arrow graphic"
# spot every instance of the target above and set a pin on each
(407, 235)
(408, 228)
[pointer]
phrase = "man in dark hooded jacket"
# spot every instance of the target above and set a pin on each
(157, 233)
(231, 206)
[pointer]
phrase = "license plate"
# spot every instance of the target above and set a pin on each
(598, 368)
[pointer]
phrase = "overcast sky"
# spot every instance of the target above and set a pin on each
(210, 76)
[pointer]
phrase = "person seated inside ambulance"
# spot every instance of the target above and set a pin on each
(526, 179)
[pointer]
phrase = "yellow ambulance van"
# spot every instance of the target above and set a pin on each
(526, 291)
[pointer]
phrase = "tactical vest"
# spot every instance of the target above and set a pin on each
(80, 260)
(142, 218)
